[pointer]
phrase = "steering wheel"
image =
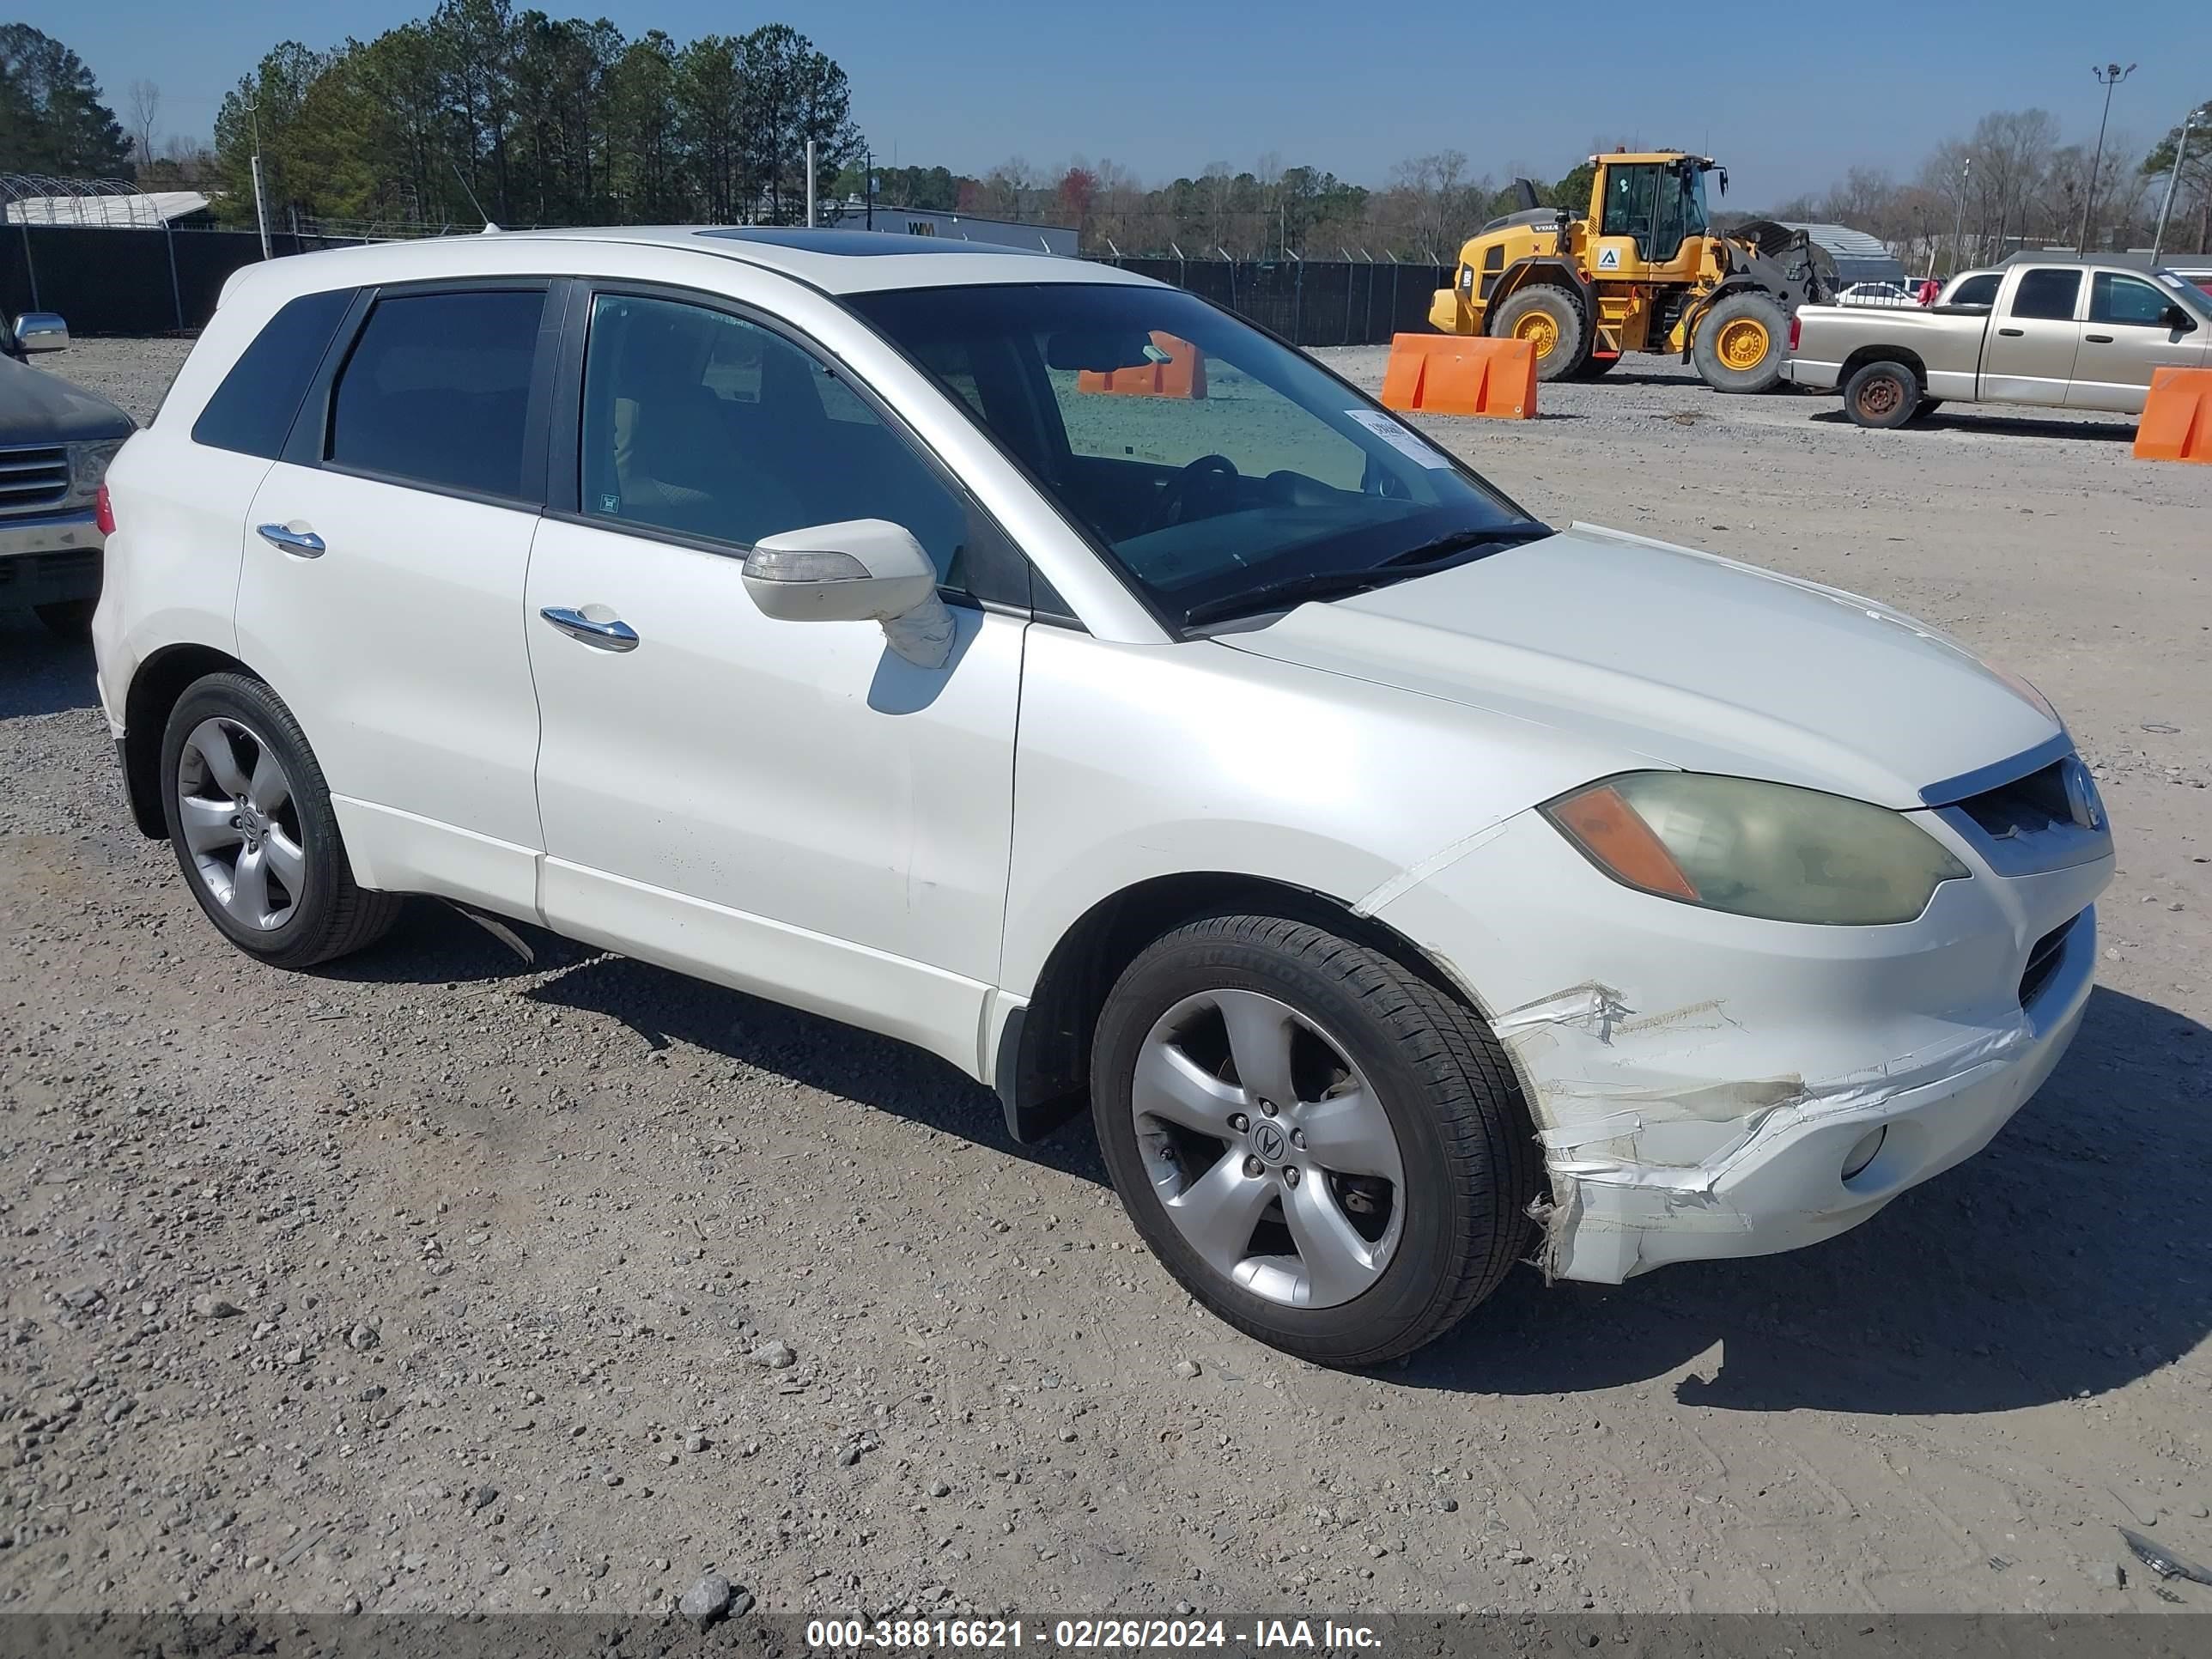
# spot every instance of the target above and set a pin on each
(1203, 479)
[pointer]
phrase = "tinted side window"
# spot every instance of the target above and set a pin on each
(1975, 291)
(2049, 294)
(699, 421)
(252, 409)
(2116, 299)
(437, 389)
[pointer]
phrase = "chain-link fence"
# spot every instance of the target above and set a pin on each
(1310, 302)
(128, 281)
(114, 263)
(114, 259)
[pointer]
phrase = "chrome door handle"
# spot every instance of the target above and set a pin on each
(304, 542)
(606, 635)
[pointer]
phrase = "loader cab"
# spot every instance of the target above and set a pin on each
(1655, 203)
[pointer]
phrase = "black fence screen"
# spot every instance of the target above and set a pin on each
(1312, 302)
(127, 281)
(142, 281)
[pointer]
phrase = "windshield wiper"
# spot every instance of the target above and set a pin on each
(1458, 541)
(1430, 557)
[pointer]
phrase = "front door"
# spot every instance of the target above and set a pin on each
(2127, 336)
(382, 590)
(787, 807)
(2028, 356)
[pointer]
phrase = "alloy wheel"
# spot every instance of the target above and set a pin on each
(1268, 1149)
(235, 811)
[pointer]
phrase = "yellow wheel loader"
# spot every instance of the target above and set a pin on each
(1642, 271)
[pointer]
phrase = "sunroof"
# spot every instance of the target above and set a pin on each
(865, 243)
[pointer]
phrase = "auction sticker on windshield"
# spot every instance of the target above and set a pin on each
(1405, 443)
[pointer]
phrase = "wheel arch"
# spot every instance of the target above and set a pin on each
(1882, 354)
(161, 679)
(1041, 1067)
(1700, 308)
(1538, 271)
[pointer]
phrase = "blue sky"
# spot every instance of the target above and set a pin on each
(1165, 85)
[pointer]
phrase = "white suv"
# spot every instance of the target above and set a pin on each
(1036, 664)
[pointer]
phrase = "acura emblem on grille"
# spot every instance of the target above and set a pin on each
(2081, 798)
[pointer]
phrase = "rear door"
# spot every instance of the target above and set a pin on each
(381, 592)
(2126, 338)
(2028, 356)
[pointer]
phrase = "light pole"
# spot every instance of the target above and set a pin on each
(2109, 76)
(1959, 219)
(2180, 154)
(260, 206)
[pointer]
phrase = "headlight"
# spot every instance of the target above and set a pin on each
(89, 465)
(1756, 849)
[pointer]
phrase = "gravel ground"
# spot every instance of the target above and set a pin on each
(441, 1282)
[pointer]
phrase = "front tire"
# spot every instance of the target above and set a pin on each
(1326, 1150)
(250, 819)
(1741, 343)
(1882, 396)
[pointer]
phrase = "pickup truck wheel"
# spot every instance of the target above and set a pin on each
(1328, 1151)
(1551, 320)
(250, 818)
(1881, 395)
(1741, 343)
(67, 619)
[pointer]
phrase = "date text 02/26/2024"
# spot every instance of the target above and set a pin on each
(1085, 1635)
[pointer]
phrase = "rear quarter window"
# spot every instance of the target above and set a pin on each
(253, 408)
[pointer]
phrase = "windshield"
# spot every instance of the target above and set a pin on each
(1693, 204)
(2191, 294)
(1208, 460)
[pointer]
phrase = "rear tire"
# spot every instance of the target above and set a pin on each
(250, 820)
(67, 619)
(1328, 1151)
(1742, 343)
(1551, 319)
(1883, 395)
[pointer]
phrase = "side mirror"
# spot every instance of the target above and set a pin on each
(41, 331)
(858, 570)
(2175, 317)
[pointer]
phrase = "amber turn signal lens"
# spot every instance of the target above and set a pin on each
(1611, 833)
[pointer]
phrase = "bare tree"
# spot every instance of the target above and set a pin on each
(1441, 201)
(145, 107)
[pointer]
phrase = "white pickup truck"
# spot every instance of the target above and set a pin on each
(2055, 330)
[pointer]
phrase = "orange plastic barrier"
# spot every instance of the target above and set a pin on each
(2177, 420)
(1461, 374)
(1183, 374)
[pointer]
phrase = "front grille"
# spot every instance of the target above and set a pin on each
(2043, 960)
(33, 478)
(2026, 806)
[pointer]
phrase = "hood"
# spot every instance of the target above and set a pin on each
(1678, 657)
(39, 408)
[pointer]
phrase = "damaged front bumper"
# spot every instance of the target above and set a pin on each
(1733, 1087)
